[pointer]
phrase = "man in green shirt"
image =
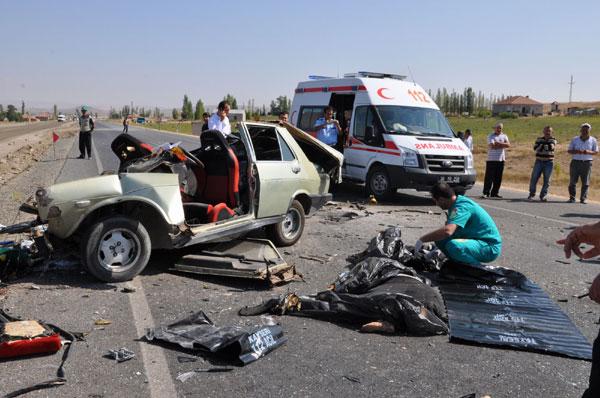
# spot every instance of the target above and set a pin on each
(470, 236)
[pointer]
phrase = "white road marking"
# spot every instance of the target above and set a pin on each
(96, 157)
(529, 214)
(155, 363)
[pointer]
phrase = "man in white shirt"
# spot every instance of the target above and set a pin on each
(219, 120)
(494, 167)
(468, 140)
(583, 148)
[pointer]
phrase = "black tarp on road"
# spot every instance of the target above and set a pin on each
(502, 307)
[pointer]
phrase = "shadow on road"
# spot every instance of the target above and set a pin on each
(349, 192)
(580, 215)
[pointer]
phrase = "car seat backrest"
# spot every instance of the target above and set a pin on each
(221, 170)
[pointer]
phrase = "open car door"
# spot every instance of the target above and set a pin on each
(317, 152)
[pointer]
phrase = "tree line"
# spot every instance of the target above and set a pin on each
(190, 112)
(465, 102)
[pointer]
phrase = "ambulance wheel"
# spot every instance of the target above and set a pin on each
(288, 231)
(116, 249)
(379, 183)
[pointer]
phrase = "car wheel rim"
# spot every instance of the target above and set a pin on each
(379, 183)
(291, 224)
(119, 249)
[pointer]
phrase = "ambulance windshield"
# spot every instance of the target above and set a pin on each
(408, 120)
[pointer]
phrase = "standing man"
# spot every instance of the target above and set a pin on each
(588, 234)
(494, 167)
(470, 235)
(86, 126)
(544, 163)
(126, 124)
(468, 140)
(328, 128)
(583, 149)
(219, 120)
(205, 117)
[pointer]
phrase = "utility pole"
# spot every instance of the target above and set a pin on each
(571, 89)
(131, 109)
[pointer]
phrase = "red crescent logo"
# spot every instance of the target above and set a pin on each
(380, 93)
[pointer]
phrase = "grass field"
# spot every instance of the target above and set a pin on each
(520, 157)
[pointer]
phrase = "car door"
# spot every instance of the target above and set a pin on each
(277, 168)
(361, 149)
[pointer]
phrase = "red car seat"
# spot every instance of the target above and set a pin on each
(218, 182)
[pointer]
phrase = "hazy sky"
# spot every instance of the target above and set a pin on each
(108, 52)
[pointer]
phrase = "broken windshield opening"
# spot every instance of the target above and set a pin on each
(408, 120)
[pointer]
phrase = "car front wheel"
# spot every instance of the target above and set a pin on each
(116, 249)
(288, 231)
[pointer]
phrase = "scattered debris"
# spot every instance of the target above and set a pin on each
(319, 259)
(351, 378)
(372, 200)
(231, 343)
(34, 287)
(102, 322)
(182, 359)
(563, 261)
(183, 377)
(120, 355)
(128, 289)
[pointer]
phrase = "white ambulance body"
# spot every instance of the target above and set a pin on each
(397, 136)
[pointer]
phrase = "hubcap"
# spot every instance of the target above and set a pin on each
(118, 250)
(291, 224)
(379, 183)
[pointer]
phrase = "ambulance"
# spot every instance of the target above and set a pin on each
(395, 135)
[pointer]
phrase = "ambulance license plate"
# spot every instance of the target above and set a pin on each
(451, 179)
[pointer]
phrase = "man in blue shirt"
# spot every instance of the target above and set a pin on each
(327, 128)
(470, 236)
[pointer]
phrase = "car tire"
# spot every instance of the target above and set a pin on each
(379, 183)
(116, 249)
(288, 231)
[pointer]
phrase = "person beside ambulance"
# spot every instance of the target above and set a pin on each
(328, 129)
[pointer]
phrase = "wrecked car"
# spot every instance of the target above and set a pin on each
(263, 175)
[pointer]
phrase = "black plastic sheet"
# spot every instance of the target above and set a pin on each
(376, 289)
(233, 343)
(501, 307)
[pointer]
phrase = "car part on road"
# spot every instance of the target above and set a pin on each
(254, 259)
(116, 249)
(183, 377)
(288, 231)
(21, 338)
(120, 355)
(231, 343)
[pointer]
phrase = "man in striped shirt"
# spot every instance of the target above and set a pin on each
(544, 163)
(494, 167)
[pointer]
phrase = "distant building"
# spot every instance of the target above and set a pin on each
(44, 116)
(522, 105)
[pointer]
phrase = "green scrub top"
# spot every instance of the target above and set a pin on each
(473, 221)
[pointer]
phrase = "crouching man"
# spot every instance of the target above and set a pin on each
(470, 236)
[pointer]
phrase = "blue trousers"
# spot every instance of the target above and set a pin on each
(469, 251)
(541, 167)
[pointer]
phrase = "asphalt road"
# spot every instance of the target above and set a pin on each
(320, 358)
(8, 132)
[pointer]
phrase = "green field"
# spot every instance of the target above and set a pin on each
(180, 127)
(525, 130)
(520, 156)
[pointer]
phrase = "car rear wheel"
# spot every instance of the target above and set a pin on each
(116, 249)
(288, 231)
(379, 183)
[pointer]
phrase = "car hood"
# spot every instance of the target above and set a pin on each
(108, 186)
(320, 153)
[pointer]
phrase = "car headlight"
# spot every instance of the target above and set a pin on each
(410, 158)
(470, 161)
